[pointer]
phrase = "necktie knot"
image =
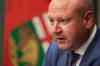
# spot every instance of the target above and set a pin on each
(75, 57)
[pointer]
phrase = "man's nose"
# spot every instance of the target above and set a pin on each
(57, 29)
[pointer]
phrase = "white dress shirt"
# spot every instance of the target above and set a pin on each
(83, 49)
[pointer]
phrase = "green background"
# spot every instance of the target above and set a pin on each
(1, 29)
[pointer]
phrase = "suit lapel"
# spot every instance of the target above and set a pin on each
(92, 52)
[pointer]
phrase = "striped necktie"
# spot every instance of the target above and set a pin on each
(74, 59)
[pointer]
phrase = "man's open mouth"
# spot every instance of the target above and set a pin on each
(60, 38)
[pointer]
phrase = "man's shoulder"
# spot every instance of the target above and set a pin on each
(97, 36)
(96, 40)
(93, 49)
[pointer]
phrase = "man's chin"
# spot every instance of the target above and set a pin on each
(63, 46)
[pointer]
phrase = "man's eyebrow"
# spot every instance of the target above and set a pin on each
(58, 18)
(65, 18)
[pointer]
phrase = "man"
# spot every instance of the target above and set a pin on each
(75, 32)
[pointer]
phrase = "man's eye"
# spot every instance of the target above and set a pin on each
(64, 21)
(51, 21)
(61, 20)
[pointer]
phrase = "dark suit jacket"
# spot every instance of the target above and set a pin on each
(90, 58)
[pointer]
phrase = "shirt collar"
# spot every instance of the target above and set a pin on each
(82, 49)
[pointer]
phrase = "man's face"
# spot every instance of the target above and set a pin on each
(67, 27)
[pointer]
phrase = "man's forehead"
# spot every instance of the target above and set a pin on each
(60, 8)
(66, 4)
(58, 3)
(59, 12)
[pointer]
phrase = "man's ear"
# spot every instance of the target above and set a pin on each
(88, 19)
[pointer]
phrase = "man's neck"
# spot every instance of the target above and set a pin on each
(83, 48)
